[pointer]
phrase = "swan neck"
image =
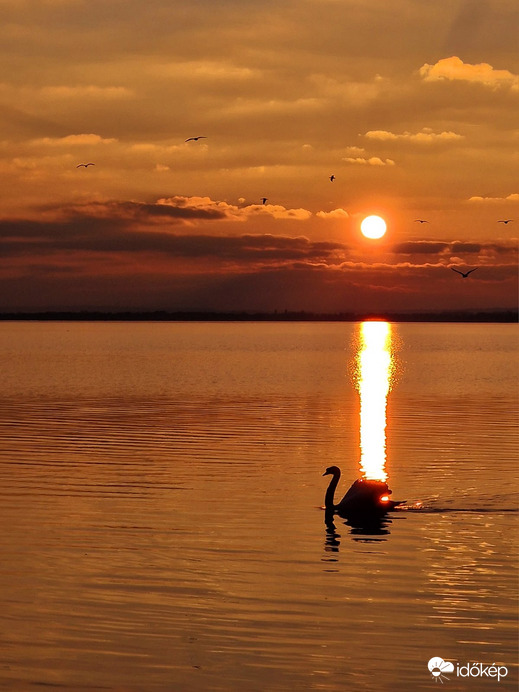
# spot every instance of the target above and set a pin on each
(330, 493)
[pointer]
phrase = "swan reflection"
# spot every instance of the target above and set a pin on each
(370, 532)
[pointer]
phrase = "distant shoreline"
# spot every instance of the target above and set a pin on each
(498, 316)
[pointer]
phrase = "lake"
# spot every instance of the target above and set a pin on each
(161, 502)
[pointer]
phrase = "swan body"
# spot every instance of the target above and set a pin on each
(366, 499)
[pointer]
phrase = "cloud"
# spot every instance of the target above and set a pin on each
(454, 68)
(233, 212)
(420, 247)
(349, 91)
(90, 91)
(277, 211)
(73, 140)
(83, 262)
(355, 151)
(334, 214)
(514, 197)
(206, 70)
(181, 208)
(459, 247)
(102, 234)
(132, 228)
(425, 136)
(444, 250)
(275, 107)
(373, 161)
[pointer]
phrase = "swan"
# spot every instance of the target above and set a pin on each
(365, 498)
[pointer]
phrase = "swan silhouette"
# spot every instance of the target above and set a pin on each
(365, 500)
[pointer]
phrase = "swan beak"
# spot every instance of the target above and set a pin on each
(326, 473)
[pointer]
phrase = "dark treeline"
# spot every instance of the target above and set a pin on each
(286, 316)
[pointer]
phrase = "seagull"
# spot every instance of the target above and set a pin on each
(332, 178)
(264, 199)
(505, 221)
(464, 274)
(86, 165)
(421, 221)
(195, 139)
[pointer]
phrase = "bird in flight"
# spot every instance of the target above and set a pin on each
(505, 221)
(264, 199)
(421, 221)
(195, 139)
(464, 274)
(86, 165)
(332, 178)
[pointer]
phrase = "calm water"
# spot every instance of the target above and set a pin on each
(161, 487)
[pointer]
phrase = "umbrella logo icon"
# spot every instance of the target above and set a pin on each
(439, 667)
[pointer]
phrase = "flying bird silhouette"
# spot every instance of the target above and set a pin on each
(264, 199)
(86, 165)
(195, 139)
(505, 221)
(421, 221)
(464, 274)
(332, 178)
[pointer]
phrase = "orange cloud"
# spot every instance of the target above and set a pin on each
(355, 151)
(73, 140)
(334, 214)
(373, 161)
(514, 197)
(425, 136)
(454, 68)
(233, 212)
(90, 91)
(207, 70)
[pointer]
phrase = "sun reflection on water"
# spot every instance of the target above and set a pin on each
(374, 371)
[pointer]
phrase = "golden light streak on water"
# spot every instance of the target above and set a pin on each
(374, 371)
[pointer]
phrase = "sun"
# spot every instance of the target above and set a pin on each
(373, 227)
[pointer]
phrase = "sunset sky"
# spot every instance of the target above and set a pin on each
(412, 105)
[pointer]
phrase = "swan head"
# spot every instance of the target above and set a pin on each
(332, 470)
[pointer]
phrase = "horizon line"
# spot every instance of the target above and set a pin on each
(493, 315)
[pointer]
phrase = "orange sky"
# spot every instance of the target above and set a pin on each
(411, 105)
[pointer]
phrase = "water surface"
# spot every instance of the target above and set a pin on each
(161, 488)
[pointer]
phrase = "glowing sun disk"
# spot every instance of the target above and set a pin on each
(373, 227)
